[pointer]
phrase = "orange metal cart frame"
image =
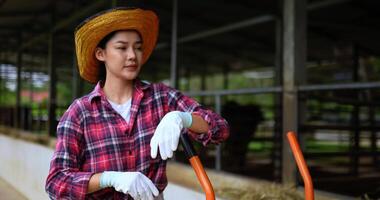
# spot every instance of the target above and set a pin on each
(198, 167)
(302, 166)
(205, 181)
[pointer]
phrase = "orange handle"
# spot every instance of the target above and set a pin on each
(202, 177)
(198, 167)
(302, 166)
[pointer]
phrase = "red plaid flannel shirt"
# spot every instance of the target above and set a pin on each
(92, 138)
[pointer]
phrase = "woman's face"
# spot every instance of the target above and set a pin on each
(122, 55)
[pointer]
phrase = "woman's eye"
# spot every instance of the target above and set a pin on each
(122, 48)
(138, 48)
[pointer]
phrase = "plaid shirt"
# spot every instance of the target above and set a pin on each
(93, 138)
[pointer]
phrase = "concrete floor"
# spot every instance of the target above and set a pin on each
(171, 192)
(9, 192)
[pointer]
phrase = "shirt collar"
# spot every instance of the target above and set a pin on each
(98, 91)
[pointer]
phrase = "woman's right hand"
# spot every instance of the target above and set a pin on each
(135, 184)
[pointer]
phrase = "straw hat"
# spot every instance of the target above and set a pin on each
(90, 32)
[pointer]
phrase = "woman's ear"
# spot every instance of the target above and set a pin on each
(99, 54)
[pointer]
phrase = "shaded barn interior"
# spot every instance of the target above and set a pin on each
(229, 56)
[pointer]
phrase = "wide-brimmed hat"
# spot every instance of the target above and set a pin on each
(91, 31)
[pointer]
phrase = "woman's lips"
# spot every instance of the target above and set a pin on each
(131, 66)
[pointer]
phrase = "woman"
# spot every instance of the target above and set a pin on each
(114, 142)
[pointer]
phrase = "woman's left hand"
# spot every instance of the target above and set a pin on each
(166, 136)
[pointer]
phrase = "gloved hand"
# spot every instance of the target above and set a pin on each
(135, 184)
(166, 136)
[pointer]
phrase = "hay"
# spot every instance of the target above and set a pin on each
(267, 192)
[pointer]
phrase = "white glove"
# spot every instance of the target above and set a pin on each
(135, 184)
(166, 136)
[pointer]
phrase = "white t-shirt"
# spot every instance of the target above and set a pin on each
(123, 109)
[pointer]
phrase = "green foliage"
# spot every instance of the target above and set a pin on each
(7, 97)
(260, 146)
(326, 146)
(64, 93)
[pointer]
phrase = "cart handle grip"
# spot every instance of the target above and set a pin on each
(302, 166)
(198, 167)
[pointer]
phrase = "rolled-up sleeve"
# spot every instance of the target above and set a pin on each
(65, 180)
(218, 126)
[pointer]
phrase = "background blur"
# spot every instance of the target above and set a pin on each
(267, 66)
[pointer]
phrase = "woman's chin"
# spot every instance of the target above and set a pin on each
(130, 76)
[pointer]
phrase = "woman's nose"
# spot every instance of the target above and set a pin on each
(131, 55)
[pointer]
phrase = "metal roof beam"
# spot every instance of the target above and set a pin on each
(24, 13)
(246, 23)
(64, 23)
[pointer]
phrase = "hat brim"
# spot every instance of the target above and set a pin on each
(90, 33)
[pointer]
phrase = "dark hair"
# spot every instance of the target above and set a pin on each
(102, 44)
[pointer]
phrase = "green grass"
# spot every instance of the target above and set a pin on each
(260, 146)
(311, 146)
(326, 146)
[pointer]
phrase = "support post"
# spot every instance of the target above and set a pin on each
(294, 60)
(218, 157)
(173, 57)
(77, 82)
(277, 135)
(113, 3)
(2, 78)
(203, 84)
(17, 118)
(52, 88)
(355, 120)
